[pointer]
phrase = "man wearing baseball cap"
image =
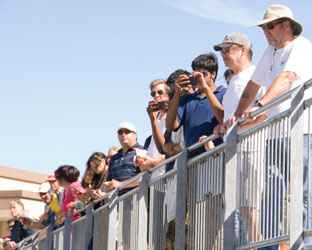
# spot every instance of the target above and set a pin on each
(237, 55)
(284, 65)
(122, 166)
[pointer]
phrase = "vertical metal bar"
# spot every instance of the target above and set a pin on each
(142, 211)
(67, 236)
(296, 173)
(309, 169)
(181, 201)
(230, 181)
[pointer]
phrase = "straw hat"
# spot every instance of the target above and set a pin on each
(277, 11)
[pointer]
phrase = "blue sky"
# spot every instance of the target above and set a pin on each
(72, 70)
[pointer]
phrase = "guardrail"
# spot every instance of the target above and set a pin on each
(242, 194)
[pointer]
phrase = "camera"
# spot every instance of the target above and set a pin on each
(161, 105)
(192, 80)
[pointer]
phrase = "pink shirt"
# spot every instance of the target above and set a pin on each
(68, 197)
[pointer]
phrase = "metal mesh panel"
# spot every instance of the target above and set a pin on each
(264, 183)
(128, 218)
(58, 238)
(205, 192)
(78, 234)
(162, 194)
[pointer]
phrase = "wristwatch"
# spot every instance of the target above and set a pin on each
(258, 104)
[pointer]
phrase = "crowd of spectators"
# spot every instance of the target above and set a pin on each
(185, 108)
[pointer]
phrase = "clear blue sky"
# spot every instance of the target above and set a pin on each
(72, 70)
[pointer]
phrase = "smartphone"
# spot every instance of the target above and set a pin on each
(192, 80)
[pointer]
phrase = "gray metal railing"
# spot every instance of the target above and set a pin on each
(243, 194)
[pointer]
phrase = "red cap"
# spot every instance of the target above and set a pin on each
(51, 177)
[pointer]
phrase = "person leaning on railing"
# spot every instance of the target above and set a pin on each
(284, 65)
(67, 177)
(122, 166)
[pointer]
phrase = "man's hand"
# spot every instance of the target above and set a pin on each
(217, 130)
(172, 148)
(200, 80)
(10, 245)
(247, 112)
(228, 123)
(145, 164)
(209, 145)
(182, 83)
(111, 185)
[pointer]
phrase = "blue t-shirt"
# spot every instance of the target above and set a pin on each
(121, 167)
(197, 117)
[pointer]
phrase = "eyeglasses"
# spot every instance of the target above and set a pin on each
(126, 131)
(94, 165)
(226, 50)
(271, 26)
(42, 194)
(159, 92)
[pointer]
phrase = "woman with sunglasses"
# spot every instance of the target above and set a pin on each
(157, 111)
(95, 174)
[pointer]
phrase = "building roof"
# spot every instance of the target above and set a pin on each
(22, 175)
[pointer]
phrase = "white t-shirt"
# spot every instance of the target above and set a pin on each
(295, 57)
(235, 90)
(152, 149)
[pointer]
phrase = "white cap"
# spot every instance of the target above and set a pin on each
(44, 187)
(126, 125)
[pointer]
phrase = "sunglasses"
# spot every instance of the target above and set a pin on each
(42, 194)
(159, 92)
(271, 26)
(126, 131)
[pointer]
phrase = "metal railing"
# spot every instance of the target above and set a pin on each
(243, 194)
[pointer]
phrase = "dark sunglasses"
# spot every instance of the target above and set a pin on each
(126, 131)
(271, 26)
(41, 194)
(159, 92)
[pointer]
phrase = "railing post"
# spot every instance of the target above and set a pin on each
(296, 164)
(143, 213)
(89, 227)
(67, 234)
(230, 239)
(49, 238)
(181, 201)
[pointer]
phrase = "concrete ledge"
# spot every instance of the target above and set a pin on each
(19, 194)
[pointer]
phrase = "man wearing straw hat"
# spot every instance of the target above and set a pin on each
(284, 65)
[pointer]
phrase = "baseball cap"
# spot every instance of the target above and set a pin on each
(51, 177)
(233, 38)
(44, 187)
(126, 125)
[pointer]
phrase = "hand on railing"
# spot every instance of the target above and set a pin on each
(111, 185)
(97, 194)
(208, 145)
(9, 245)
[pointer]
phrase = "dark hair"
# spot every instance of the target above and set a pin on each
(90, 178)
(67, 173)
(227, 73)
(208, 62)
(173, 77)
